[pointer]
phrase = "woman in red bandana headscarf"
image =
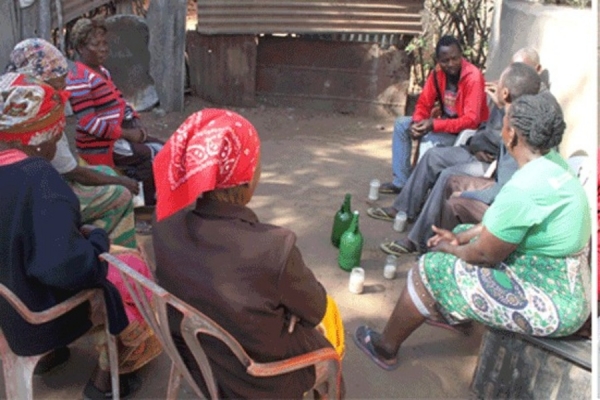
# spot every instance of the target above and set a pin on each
(246, 275)
(48, 254)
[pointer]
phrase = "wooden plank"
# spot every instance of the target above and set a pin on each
(223, 68)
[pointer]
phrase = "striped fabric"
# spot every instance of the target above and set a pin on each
(99, 107)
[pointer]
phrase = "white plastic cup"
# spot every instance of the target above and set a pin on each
(357, 280)
(391, 259)
(138, 199)
(389, 270)
(400, 221)
(374, 189)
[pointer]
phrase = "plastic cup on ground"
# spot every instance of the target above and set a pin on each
(357, 280)
(374, 189)
(400, 221)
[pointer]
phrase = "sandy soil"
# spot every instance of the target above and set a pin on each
(310, 160)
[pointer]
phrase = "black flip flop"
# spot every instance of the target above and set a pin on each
(129, 384)
(363, 340)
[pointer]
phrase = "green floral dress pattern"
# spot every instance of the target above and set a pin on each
(535, 295)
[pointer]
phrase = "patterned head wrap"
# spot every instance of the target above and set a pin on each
(31, 112)
(37, 58)
(212, 149)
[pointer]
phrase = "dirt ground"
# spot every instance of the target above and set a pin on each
(310, 160)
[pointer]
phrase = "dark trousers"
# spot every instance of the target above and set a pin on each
(460, 210)
(139, 167)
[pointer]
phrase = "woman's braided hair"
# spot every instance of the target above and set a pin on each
(538, 119)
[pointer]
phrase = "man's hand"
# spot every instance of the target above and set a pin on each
(436, 112)
(134, 135)
(484, 156)
(419, 129)
(491, 88)
(130, 184)
(442, 236)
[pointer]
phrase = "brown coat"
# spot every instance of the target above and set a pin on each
(247, 276)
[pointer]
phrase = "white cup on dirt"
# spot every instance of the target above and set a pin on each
(374, 189)
(357, 280)
(400, 221)
(389, 270)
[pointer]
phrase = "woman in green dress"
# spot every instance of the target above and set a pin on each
(524, 268)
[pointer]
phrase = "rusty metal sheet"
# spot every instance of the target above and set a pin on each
(333, 76)
(222, 68)
(72, 9)
(292, 16)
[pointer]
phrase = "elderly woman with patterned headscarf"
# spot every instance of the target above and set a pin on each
(109, 131)
(48, 253)
(217, 256)
(104, 196)
(525, 268)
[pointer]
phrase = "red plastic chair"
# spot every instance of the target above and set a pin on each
(18, 370)
(326, 361)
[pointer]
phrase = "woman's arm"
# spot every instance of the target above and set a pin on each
(486, 250)
(302, 294)
(444, 235)
(91, 177)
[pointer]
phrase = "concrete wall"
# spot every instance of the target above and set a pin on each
(565, 38)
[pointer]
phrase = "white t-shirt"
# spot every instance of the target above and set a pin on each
(63, 161)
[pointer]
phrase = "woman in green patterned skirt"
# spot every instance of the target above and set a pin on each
(524, 268)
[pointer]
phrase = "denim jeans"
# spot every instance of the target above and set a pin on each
(402, 148)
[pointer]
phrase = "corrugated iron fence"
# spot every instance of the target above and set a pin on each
(292, 16)
(37, 20)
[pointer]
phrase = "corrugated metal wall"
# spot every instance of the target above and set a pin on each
(291, 16)
(72, 9)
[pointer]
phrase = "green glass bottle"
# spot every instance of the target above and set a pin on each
(351, 244)
(341, 221)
